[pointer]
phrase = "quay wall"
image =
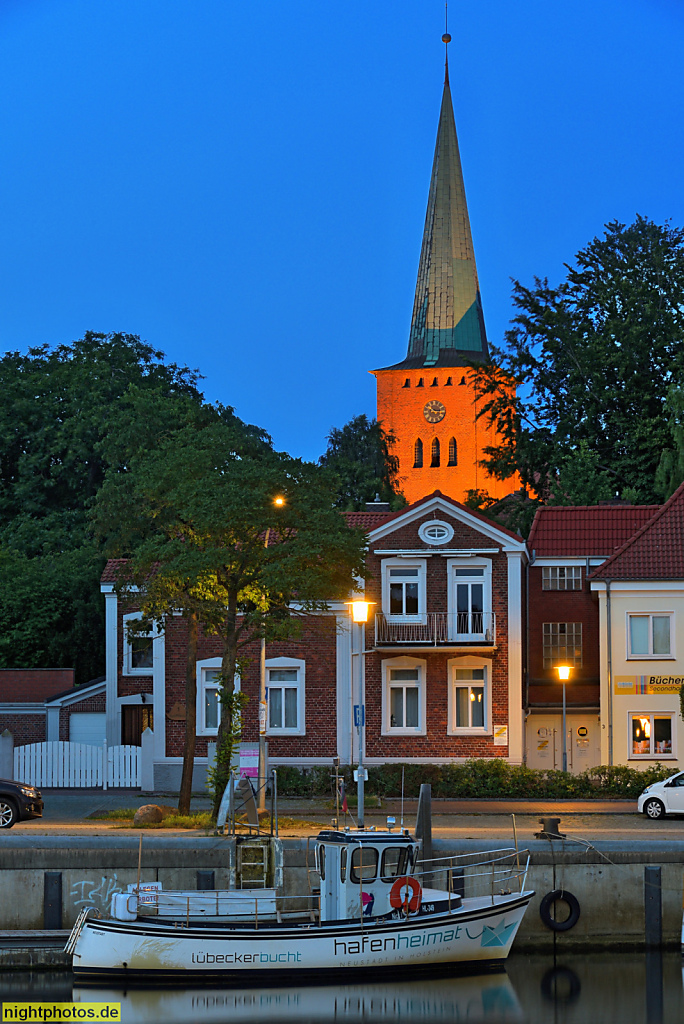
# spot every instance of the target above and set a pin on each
(630, 893)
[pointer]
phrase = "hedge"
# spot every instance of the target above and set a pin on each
(478, 778)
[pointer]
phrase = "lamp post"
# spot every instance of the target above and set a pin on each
(564, 674)
(263, 708)
(359, 614)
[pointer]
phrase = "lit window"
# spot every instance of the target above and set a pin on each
(285, 697)
(561, 577)
(651, 735)
(649, 636)
(418, 454)
(469, 700)
(562, 644)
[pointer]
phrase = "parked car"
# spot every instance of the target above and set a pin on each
(663, 798)
(18, 803)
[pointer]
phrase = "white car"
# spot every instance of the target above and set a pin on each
(663, 798)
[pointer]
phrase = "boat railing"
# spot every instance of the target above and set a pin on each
(486, 873)
(233, 904)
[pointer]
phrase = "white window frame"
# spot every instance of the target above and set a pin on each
(405, 563)
(300, 666)
(473, 663)
(405, 662)
(203, 683)
(650, 614)
(424, 532)
(576, 577)
(655, 756)
(472, 562)
(127, 667)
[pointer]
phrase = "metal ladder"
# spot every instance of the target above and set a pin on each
(78, 928)
(253, 865)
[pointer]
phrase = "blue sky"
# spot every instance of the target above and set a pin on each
(244, 185)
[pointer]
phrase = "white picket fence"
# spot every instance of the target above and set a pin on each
(60, 765)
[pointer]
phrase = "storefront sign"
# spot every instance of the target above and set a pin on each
(628, 686)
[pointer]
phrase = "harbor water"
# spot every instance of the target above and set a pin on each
(605, 988)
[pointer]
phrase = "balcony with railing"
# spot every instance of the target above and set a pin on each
(438, 629)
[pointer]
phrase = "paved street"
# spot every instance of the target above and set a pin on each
(67, 813)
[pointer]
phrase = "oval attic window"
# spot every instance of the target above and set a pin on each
(436, 532)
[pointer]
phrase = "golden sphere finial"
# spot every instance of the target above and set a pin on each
(446, 38)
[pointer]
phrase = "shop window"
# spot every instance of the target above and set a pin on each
(562, 644)
(651, 735)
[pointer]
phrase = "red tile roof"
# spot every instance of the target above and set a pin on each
(110, 573)
(656, 551)
(366, 520)
(33, 685)
(584, 530)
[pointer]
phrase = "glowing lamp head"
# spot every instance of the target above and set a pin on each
(279, 501)
(563, 673)
(360, 610)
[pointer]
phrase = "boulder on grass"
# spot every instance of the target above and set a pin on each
(148, 814)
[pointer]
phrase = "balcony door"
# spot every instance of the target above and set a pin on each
(470, 597)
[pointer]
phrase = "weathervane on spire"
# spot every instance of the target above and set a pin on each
(446, 39)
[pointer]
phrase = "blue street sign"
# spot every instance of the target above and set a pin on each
(359, 715)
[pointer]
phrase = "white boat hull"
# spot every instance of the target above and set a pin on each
(481, 930)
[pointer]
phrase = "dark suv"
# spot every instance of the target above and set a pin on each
(18, 803)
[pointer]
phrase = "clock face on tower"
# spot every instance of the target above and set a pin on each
(434, 412)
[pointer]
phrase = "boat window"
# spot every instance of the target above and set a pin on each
(364, 864)
(343, 865)
(394, 863)
(321, 862)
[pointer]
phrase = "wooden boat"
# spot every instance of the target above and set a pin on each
(375, 911)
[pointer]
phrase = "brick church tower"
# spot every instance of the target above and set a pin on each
(427, 399)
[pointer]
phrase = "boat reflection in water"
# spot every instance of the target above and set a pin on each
(486, 997)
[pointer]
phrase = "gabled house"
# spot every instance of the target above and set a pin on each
(566, 544)
(43, 704)
(442, 656)
(640, 591)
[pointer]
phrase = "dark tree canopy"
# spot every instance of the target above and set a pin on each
(360, 456)
(68, 415)
(593, 360)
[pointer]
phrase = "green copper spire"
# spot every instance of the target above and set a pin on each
(447, 328)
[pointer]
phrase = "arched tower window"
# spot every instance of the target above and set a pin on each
(453, 452)
(435, 452)
(418, 454)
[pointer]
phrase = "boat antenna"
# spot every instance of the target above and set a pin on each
(402, 797)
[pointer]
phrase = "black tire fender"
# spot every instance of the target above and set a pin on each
(556, 896)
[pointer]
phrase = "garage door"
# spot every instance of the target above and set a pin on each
(87, 727)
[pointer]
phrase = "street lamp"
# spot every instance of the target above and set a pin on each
(359, 614)
(564, 674)
(278, 501)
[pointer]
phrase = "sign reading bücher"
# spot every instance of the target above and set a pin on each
(628, 686)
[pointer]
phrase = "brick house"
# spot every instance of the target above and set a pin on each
(566, 544)
(443, 657)
(42, 704)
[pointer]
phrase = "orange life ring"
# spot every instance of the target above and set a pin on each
(399, 896)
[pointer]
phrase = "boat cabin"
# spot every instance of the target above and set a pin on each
(366, 874)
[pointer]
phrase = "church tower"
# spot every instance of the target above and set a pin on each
(427, 399)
